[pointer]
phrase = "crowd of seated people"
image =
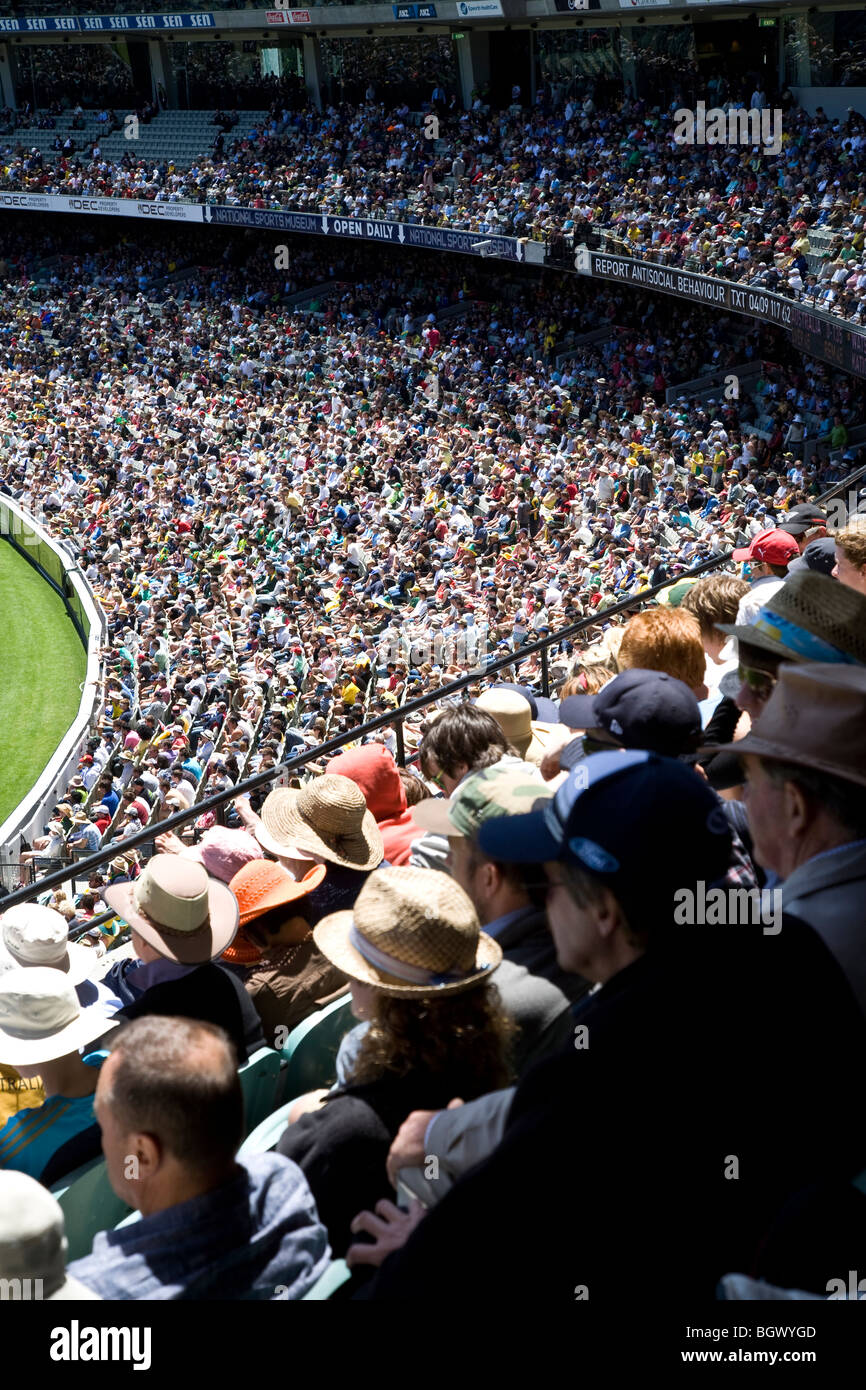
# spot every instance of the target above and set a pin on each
(790, 221)
(575, 858)
(390, 552)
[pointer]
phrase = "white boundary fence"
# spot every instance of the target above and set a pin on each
(17, 527)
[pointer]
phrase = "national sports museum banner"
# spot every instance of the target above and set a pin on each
(818, 334)
(368, 229)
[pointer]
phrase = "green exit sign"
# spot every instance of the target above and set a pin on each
(766, 23)
(458, 36)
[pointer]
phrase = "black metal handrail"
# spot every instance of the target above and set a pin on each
(85, 867)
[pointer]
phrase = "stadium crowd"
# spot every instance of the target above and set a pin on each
(297, 519)
(295, 515)
(554, 175)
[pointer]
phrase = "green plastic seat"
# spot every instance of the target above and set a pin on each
(265, 1135)
(337, 1274)
(310, 1053)
(260, 1078)
(89, 1206)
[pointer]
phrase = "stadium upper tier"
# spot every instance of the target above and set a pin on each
(793, 222)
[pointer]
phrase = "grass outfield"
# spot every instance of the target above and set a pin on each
(42, 665)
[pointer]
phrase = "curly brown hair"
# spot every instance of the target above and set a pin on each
(467, 1034)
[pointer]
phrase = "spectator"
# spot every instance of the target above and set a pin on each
(181, 922)
(811, 618)
(462, 740)
(513, 713)
(509, 910)
(170, 1108)
(274, 954)
(420, 971)
(714, 600)
(42, 1028)
(805, 761)
(805, 522)
(665, 639)
(612, 883)
(327, 821)
(33, 1244)
(374, 770)
(767, 557)
(34, 935)
(850, 568)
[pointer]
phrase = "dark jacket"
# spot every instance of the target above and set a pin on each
(211, 994)
(719, 1076)
(527, 941)
(342, 1148)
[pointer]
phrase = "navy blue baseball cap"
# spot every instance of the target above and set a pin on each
(641, 822)
(637, 709)
(819, 555)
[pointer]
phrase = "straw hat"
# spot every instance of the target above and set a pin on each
(410, 932)
(31, 935)
(41, 1018)
(810, 618)
(328, 817)
(815, 717)
(178, 909)
(513, 714)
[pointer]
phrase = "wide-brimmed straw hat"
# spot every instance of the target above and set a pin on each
(32, 935)
(810, 618)
(41, 1018)
(178, 909)
(815, 717)
(410, 932)
(328, 817)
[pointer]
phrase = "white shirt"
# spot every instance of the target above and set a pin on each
(758, 595)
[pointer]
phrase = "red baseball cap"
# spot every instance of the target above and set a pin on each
(772, 547)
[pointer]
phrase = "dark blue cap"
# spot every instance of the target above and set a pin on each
(640, 821)
(637, 709)
(819, 555)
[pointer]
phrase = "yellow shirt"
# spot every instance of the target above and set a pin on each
(350, 693)
(17, 1094)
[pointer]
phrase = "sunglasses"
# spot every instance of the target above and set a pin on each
(761, 683)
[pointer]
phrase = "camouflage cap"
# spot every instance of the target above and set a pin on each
(502, 790)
